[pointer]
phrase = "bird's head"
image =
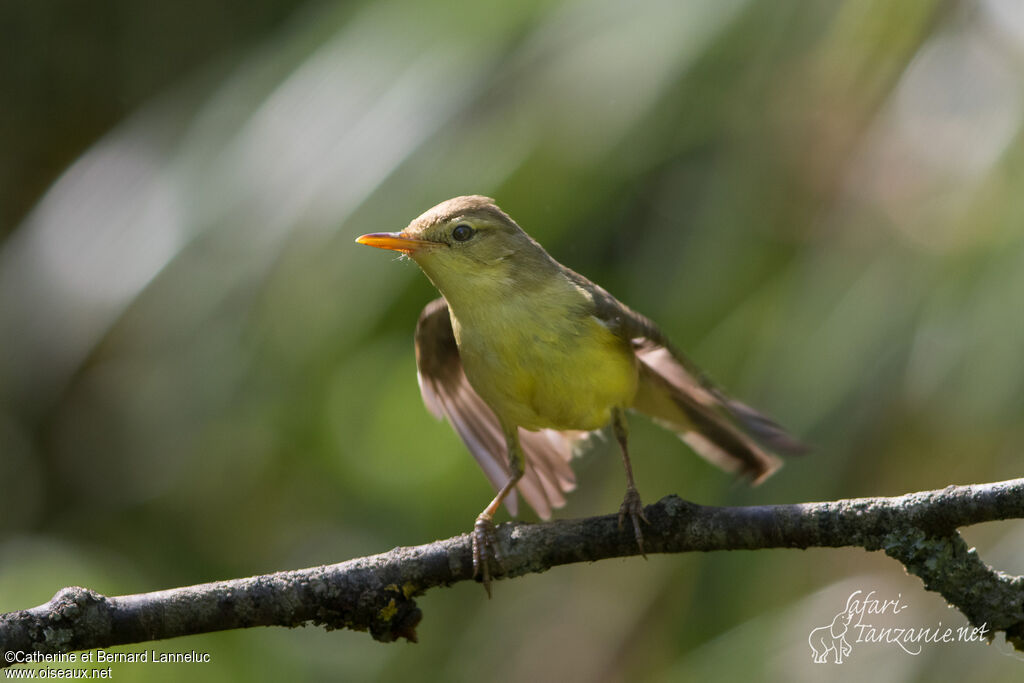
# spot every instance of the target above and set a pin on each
(468, 244)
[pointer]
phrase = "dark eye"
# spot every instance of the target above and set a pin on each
(462, 232)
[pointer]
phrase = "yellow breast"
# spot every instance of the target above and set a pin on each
(545, 364)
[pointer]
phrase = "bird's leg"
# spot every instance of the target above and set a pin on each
(631, 504)
(485, 544)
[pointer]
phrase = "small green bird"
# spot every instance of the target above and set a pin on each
(525, 356)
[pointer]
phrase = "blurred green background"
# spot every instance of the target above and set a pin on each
(202, 377)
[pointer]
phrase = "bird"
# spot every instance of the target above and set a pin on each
(525, 357)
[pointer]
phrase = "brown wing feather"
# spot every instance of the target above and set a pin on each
(678, 395)
(699, 418)
(447, 393)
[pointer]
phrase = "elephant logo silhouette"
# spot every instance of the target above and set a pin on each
(832, 638)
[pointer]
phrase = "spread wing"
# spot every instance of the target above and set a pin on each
(447, 393)
(674, 392)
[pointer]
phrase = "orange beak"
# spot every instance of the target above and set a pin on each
(394, 241)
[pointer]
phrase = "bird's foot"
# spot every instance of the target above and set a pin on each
(632, 506)
(485, 550)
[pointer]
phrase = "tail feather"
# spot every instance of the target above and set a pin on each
(765, 430)
(727, 433)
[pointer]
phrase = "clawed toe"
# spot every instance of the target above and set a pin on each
(632, 506)
(485, 551)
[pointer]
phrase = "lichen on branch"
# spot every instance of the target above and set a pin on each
(376, 593)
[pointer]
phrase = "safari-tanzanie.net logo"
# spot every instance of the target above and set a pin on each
(869, 619)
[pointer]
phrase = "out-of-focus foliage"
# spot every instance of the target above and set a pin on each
(203, 377)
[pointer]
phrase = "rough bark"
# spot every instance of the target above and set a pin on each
(376, 593)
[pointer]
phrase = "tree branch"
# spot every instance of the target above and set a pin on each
(376, 593)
